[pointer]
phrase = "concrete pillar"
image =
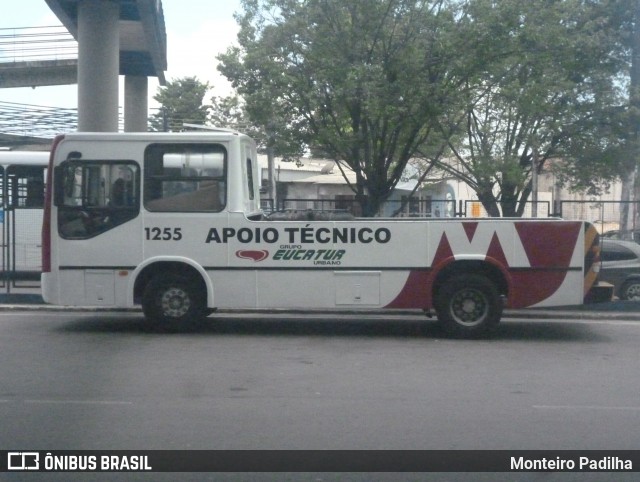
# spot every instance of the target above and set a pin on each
(98, 65)
(135, 103)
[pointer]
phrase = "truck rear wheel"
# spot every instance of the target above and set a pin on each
(468, 305)
(172, 301)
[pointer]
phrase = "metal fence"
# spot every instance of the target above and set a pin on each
(605, 215)
(418, 208)
(325, 205)
(412, 208)
(28, 44)
(475, 209)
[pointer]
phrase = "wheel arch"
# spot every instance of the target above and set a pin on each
(486, 266)
(177, 266)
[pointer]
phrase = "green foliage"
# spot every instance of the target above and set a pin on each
(507, 87)
(363, 81)
(548, 89)
(231, 112)
(182, 101)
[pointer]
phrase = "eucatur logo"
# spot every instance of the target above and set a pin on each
(255, 255)
(296, 253)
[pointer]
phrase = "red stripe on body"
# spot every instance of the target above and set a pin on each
(549, 247)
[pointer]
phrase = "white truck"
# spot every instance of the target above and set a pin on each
(172, 222)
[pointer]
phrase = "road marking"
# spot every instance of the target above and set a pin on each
(81, 402)
(584, 407)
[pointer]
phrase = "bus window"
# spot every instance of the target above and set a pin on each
(95, 196)
(250, 179)
(185, 177)
(25, 186)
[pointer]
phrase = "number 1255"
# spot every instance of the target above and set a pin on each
(163, 234)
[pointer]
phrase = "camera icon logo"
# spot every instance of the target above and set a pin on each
(23, 461)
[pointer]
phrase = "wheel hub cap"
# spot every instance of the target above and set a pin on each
(469, 307)
(175, 302)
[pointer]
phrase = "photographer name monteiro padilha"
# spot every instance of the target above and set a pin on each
(579, 464)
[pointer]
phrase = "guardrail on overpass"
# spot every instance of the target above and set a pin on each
(29, 44)
(37, 56)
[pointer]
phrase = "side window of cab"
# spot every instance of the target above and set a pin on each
(185, 178)
(94, 196)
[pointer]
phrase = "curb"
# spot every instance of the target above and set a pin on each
(568, 314)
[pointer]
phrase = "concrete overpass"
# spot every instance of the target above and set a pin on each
(38, 73)
(114, 37)
(37, 56)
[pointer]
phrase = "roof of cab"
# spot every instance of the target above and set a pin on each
(199, 136)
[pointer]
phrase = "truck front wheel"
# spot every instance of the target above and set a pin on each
(468, 305)
(173, 301)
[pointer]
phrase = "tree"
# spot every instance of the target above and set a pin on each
(548, 90)
(181, 101)
(231, 112)
(228, 112)
(363, 81)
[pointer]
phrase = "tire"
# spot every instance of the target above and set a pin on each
(172, 301)
(630, 290)
(468, 306)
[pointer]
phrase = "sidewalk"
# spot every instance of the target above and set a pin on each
(31, 299)
(20, 296)
(611, 310)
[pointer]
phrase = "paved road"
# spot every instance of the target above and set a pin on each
(287, 381)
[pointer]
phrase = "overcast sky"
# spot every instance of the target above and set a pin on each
(197, 30)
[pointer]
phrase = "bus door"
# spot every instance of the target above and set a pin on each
(23, 201)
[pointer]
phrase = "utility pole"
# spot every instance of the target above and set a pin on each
(271, 177)
(534, 181)
(634, 100)
(629, 189)
(271, 168)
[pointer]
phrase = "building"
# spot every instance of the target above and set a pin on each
(318, 184)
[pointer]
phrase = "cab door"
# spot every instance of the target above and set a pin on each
(99, 229)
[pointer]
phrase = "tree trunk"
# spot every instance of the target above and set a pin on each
(489, 202)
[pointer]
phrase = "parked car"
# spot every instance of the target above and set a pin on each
(621, 267)
(633, 235)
